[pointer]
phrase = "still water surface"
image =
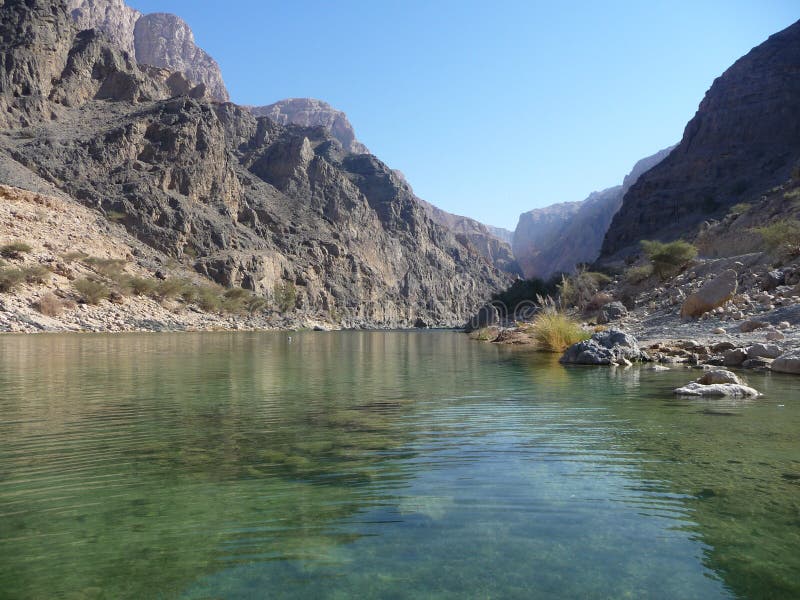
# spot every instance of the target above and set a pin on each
(383, 465)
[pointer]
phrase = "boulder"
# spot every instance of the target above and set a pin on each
(789, 362)
(775, 336)
(609, 347)
(757, 363)
(712, 294)
(718, 376)
(613, 311)
(764, 351)
(732, 390)
(735, 357)
(752, 325)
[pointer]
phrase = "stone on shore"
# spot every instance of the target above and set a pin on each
(764, 351)
(788, 362)
(613, 311)
(713, 294)
(611, 347)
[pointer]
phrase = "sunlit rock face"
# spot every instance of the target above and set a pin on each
(249, 201)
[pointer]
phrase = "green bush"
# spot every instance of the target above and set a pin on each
(782, 237)
(137, 286)
(555, 331)
(526, 290)
(14, 250)
(208, 298)
(173, 287)
(668, 259)
(91, 290)
(285, 296)
(10, 279)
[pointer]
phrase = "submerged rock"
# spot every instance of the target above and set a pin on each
(732, 390)
(609, 347)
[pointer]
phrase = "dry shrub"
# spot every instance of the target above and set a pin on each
(50, 305)
(599, 300)
(91, 290)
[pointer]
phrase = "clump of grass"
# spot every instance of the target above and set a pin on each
(115, 216)
(91, 290)
(668, 259)
(50, 305)
(107, 267)
(740, 209)
(638, 273)
(35, 273)
(71, 257)
(781, 237)
(10, 279)
(555, 331)
(14, 250)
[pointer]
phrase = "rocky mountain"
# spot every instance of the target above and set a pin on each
(158, 39)
(490, 242)
(242, 199)
(743, 140)
(557, 238)
(308, 112)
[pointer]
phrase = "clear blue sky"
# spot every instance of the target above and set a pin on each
(490, 109)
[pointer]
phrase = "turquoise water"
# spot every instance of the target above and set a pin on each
(383, 465)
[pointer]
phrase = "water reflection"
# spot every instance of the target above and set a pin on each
(369, 464)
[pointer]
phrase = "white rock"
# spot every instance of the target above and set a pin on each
(731, 390)
(715, 376)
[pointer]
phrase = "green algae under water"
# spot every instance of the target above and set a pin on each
(383, 465)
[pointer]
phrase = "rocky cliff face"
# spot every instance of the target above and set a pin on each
(308, 112)
(158, 39)
(244, 200)
(490, 242)
(557, 238)
(744, 139)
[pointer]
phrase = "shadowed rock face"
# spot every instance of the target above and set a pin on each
(158, 39)
(744, 139)
(259, 204)
(309, 112)
(557, 238)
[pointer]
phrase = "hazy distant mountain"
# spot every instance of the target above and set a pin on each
(557, 238)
